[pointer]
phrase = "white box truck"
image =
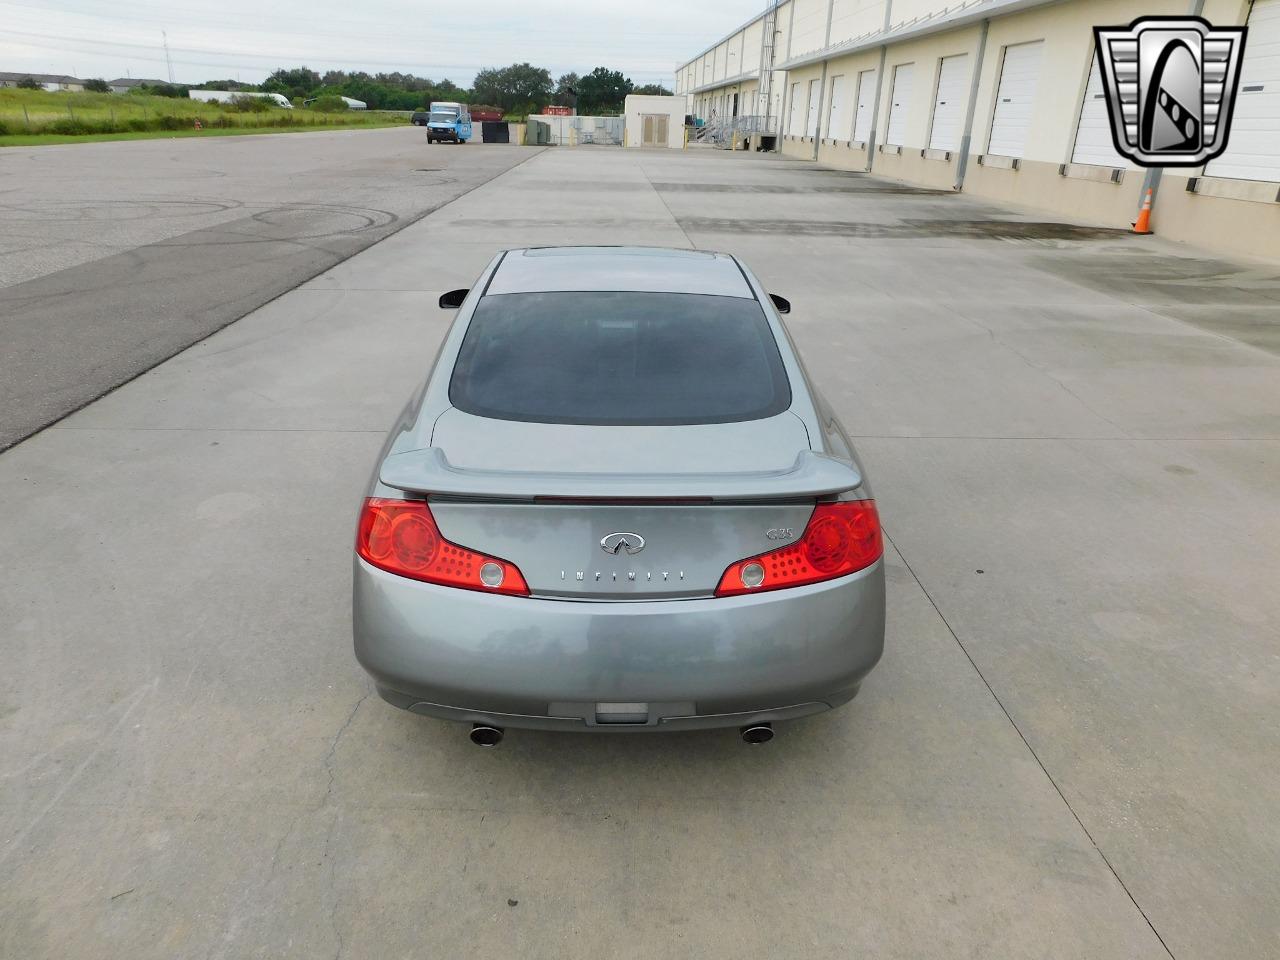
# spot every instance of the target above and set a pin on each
(226, 96)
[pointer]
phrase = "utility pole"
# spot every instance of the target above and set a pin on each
(164, 37)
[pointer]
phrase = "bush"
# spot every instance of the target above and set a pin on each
(96, 85)
(70, 128)
(161, 90)
(330, 103)
(29, 83)
(4, 129)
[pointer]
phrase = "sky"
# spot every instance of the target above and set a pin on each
(247, 39)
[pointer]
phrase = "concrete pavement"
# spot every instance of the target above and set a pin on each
(1068, 750)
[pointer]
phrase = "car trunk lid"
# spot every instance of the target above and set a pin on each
(608, 513)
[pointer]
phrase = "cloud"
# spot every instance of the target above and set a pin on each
(209, 40)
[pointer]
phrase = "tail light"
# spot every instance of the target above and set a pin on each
(841, 538)
(401, 537)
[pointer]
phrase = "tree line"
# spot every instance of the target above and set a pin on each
(519, 89)
(524, 88)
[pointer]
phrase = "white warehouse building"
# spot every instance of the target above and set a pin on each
(999, 98)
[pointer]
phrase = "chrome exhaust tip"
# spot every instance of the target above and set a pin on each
(483, 735)
(757, 733)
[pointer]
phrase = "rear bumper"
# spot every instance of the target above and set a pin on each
(524, 662)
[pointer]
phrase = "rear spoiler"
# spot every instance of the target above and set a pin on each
(427, 471)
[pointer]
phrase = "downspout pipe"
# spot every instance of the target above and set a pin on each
(875, 112)
(822, 88)
(962, 162)
(785, 120)
(769, 23)
(822, 96)
(875, 107)
(1151, 181)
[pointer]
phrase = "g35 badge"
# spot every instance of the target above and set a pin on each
(780, 533)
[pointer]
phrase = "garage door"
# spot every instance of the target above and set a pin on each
(1015, 98)
(866, 106)
(1093, 133)
(815, 91)
(1253, 146)
(900, 101)
(795, 122)
(837, 117)
(948, 105)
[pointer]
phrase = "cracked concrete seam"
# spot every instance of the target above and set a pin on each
(333, 825)
(219, 947)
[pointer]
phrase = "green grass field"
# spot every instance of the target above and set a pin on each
(34, 117)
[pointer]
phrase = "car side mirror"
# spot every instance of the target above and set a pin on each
(781, 304)
(453, 299)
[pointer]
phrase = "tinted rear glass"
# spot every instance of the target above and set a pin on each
(619, 358)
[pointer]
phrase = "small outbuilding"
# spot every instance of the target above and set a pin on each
(654, 121)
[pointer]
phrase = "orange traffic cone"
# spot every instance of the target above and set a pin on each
(1143, 224)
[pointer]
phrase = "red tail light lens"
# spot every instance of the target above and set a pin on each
(841, 538)
(401, 537)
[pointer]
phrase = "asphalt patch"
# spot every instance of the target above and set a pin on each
(72, 335)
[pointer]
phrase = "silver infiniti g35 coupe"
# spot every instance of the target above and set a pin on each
(618, 504)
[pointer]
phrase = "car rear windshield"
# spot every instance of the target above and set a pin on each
(619, 359)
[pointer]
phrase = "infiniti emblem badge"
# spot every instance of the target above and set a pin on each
(615, 543)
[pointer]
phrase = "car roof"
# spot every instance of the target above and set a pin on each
(635, 269)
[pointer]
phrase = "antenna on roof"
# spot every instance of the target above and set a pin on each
(164, 37)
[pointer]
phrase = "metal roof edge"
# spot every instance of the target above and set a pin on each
(963, 15)
(726, 82)
(733, 33)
